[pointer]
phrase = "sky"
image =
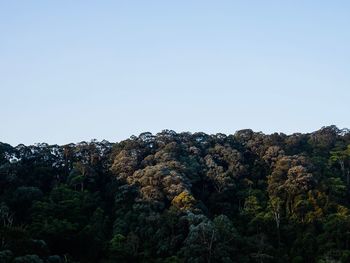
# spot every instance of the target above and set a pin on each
(74, 71)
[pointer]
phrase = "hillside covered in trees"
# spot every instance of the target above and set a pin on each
(178, 197)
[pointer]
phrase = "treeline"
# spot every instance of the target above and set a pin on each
(169, 197)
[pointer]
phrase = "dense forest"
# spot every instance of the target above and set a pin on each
(178, 197)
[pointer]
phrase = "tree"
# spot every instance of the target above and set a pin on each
(342, 158)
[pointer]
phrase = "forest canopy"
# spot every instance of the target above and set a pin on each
(178, 197)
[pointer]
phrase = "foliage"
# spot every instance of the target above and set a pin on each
(169, 197)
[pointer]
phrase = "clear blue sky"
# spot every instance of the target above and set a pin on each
(77, 70)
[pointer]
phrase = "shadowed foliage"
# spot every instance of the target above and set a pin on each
(169, 197)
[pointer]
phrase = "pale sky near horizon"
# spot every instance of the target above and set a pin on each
(77, 70)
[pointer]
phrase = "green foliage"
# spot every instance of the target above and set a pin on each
(28, 259)
(171, 198)
(6, 256)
